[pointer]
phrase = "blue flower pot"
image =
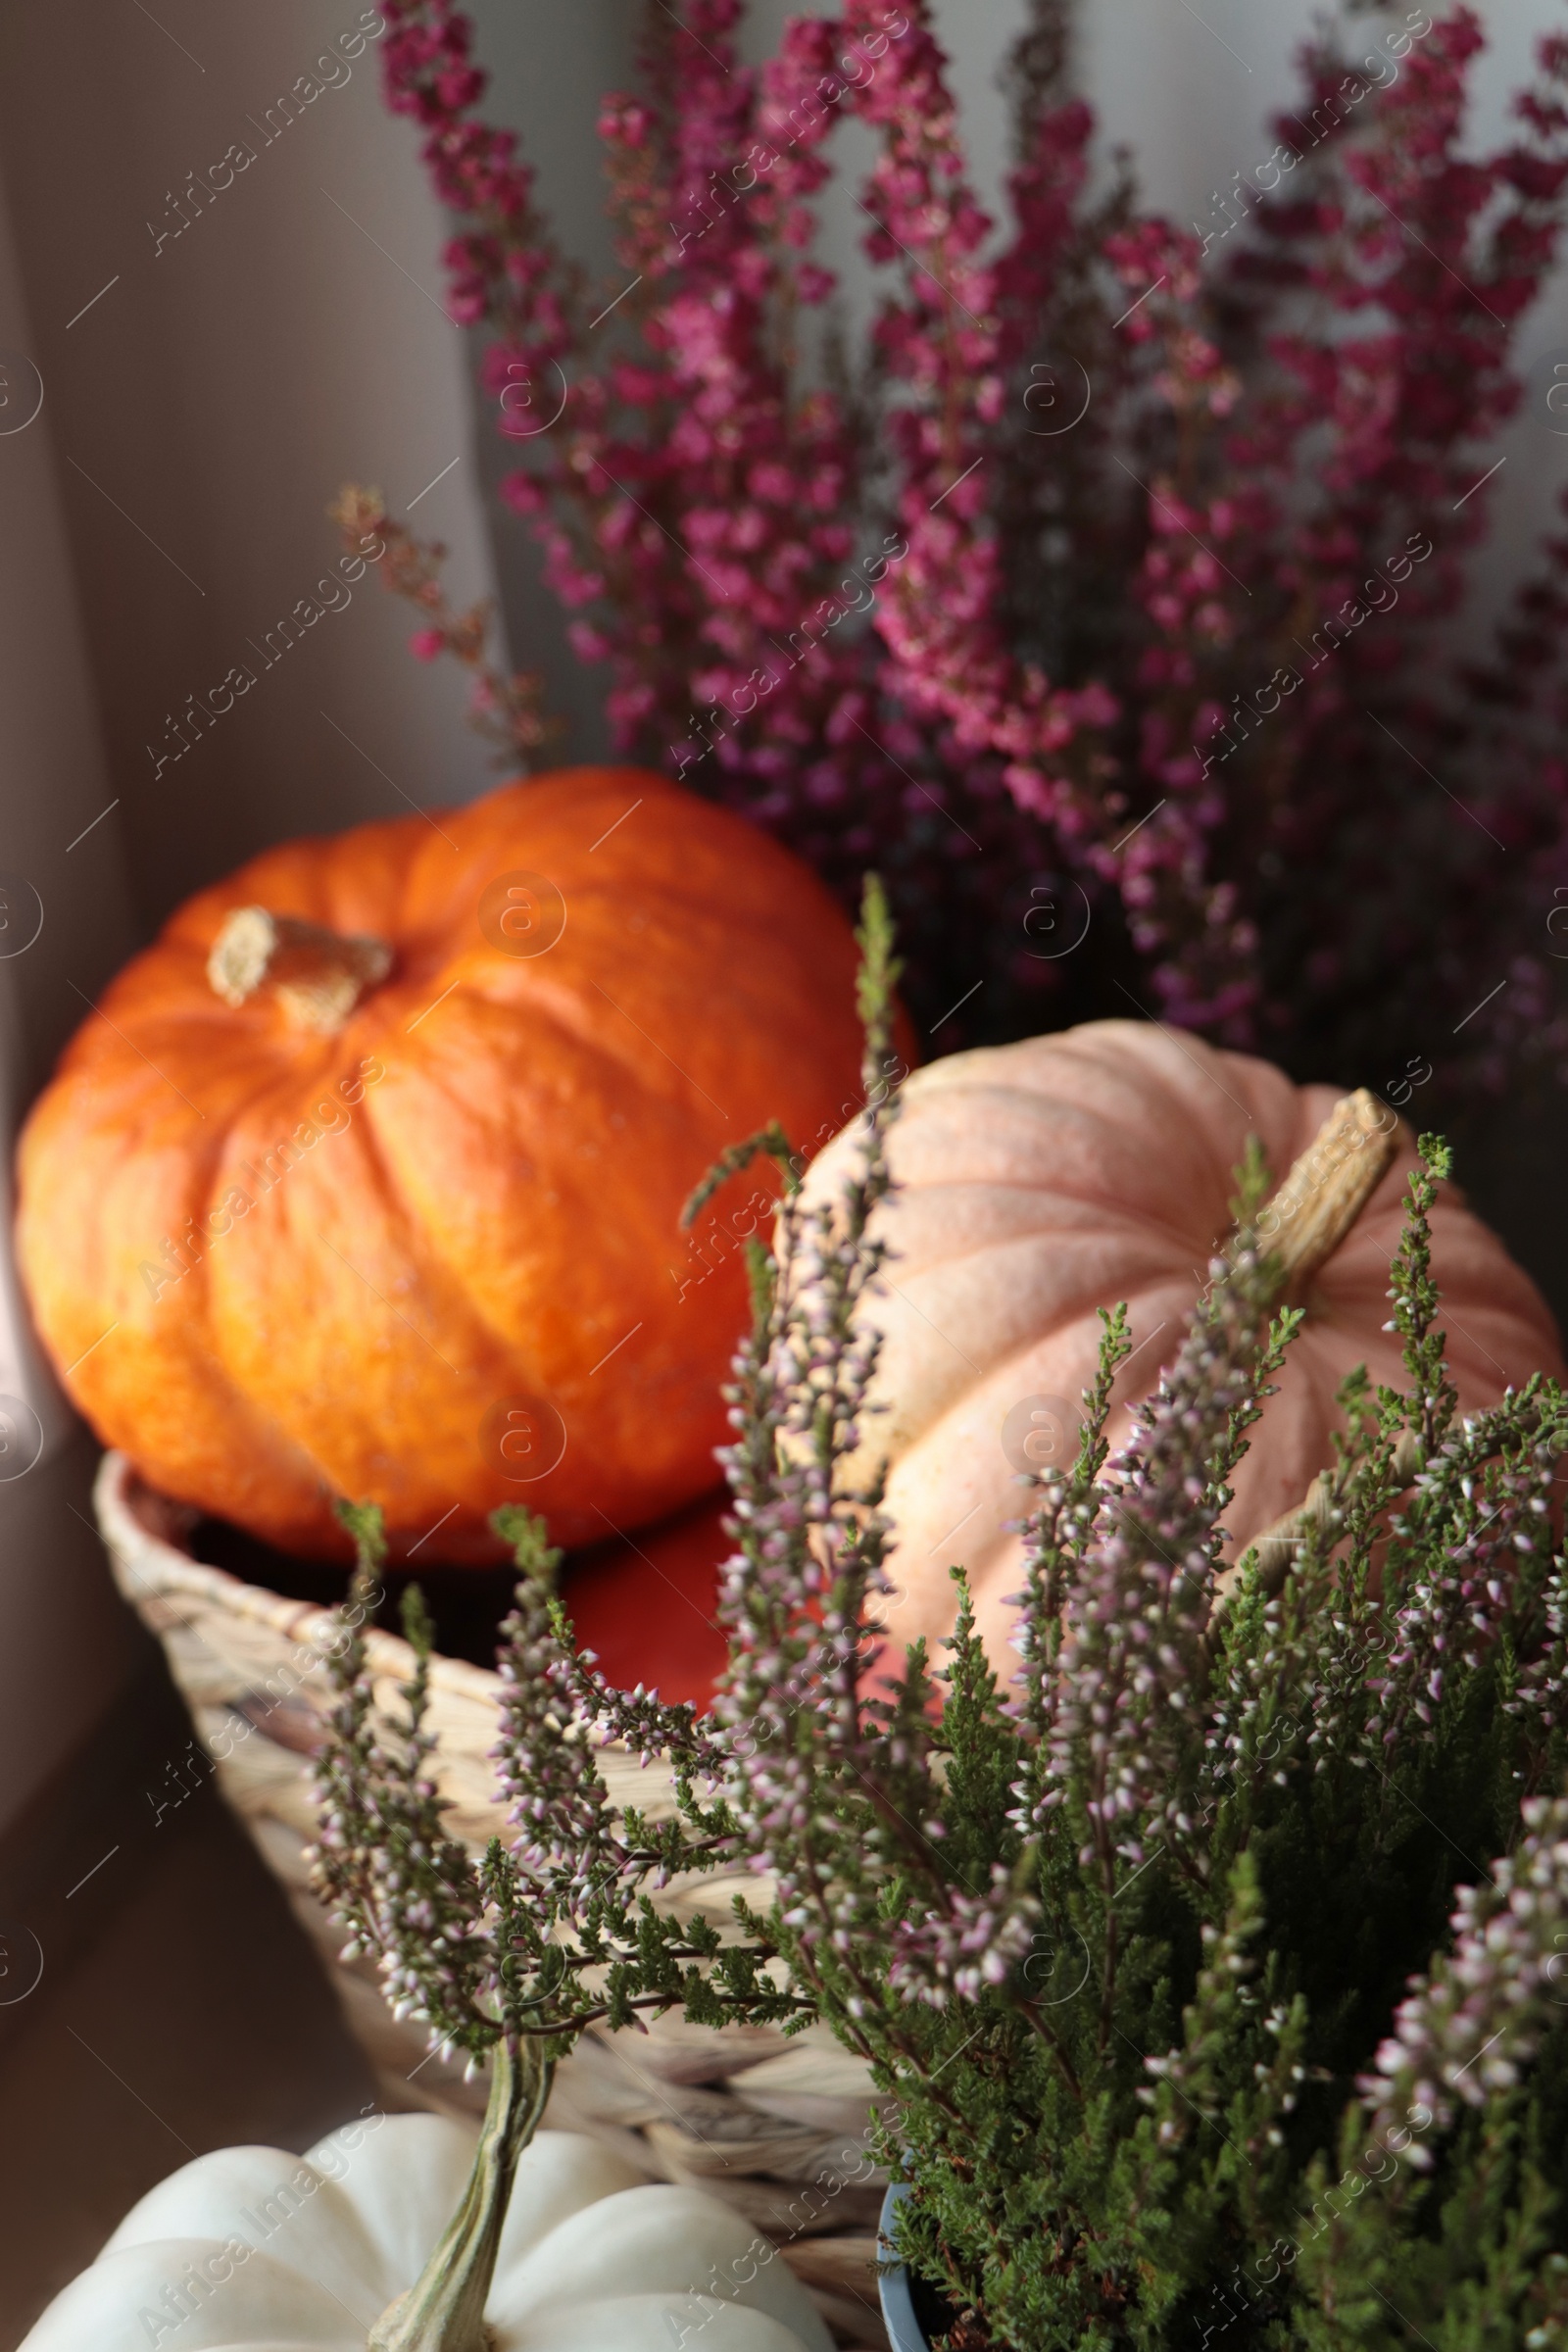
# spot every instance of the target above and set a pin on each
(905, 2331)
(912, 2312)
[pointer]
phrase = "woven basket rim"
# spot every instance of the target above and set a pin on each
(146, 1564)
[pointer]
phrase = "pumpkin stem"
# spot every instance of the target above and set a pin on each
(1327, 1189)
(444, 2309)
(319, 975)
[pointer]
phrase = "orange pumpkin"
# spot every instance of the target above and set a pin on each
(364, 1180)
(1042, 1181)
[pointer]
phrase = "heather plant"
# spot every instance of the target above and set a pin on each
(1107, 596)
(1210, 1968)
(504, 706)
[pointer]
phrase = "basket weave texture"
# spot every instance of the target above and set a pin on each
(771, 2126)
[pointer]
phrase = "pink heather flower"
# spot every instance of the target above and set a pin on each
(559, 1809)
(1454, 1616)
(1130, 1676)
(1465, 2031)
(976, 1942)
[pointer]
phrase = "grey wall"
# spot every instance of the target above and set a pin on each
(164, 509)
(212, 400)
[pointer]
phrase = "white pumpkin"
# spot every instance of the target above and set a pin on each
(256, 2250)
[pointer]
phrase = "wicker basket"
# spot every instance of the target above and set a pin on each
(742, 2112)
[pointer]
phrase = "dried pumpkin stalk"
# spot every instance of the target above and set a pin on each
(1327, 1189)
(317, 975)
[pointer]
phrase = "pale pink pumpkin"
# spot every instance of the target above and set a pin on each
(1042, 1181)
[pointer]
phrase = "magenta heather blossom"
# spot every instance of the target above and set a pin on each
(1124, 566)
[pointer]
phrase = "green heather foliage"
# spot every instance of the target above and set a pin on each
(1216, 1964)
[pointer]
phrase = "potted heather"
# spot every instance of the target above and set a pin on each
(1105, 588)
(1209, 1966)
